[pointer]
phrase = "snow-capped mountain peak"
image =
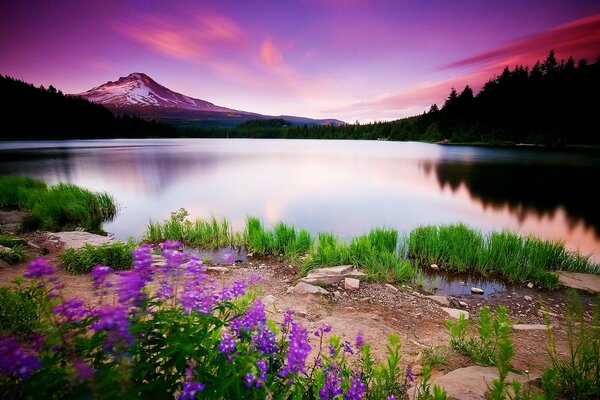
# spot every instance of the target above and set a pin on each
(139, 90)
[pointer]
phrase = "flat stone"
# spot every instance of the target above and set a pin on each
(351, 284)
(441, 300)
(330, 275)
(340, 269)
(528, 298)
(218, 269)
(530, 327)
(577, 280)
(455, 313)
(391, 287)
(434, 267)
(463, 304)
(269, 300)
(306, 288)
(76, 239)
(471, 383)
(530, 285)
(476, 290)
(300, 313)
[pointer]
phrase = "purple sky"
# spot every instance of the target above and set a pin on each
(347, 59)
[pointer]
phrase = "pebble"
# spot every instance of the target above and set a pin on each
(476, 290)
(528, 298)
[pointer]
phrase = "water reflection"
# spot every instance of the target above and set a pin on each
(345, 187)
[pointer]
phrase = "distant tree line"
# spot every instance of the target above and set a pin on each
(547, 104)
(29, 112)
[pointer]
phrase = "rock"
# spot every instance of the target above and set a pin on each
(577, 280)
(32, 245)
(77, 239)
(434, 267)
(530, 285)
(528, 298)
(391, 287)
(463, 304)
(5, 249)
(351, 284)
(300, 313)
(471, 383)
(249, 254)
(269, 300)
(289, 290)
(476, 290)
(530, 327)
(330, 275)
(441, 300)
(306, 288)
(455, 313)
(337, 296)
(218, 269)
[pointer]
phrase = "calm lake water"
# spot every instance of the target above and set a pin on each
(345, 187)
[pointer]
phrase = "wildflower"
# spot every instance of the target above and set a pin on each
(83, 369)
(142, 262)
(297, 352)
(71, 310)
(391, 397)
(259, 380)
(129, 287)
(347, 348)
(333, 383)
(264, 340)
(360, 340)
(191, 388)
(15, 360)
(357, 388)
(99, 275)
(254, 317)
(227, 345)
(114, 321)
(323, 328)
(39, 268)
(228, 258)
(409, 374)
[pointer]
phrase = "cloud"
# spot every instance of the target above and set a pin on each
(580, 38)
(270, 54)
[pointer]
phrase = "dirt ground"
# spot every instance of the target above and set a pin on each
(375, 309)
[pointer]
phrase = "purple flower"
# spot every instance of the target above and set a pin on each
(264, 340)
(142, 262)
(297, 352)
(71, 310)
(333, 383)
(347, 348)
(16, 360)
(191, 389)
(228, 258)
(114, 321)
(357, 388)
(253, 318)
(360, 340)
(391, 397)
(227, 345)
(99, 275)
(83, 369)
(323, 328)
(259, 380)
(129, 287)
(409, 374)
(38, 268)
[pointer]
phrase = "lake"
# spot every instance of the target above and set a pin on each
(345, 187)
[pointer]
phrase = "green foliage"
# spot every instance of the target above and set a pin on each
(423, 391)
(578, 375)
(522, 259)
(493, 331)
(14, 255)
(62, 206)
(436, 356)
(22, 309)
(80, 261)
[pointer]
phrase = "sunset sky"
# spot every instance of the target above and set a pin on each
(346, 59)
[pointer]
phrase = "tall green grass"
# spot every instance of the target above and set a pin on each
(521, 259)
(57, 207)
(209, 234)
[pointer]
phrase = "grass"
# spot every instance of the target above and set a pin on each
(115, 255)
(517, 258)
(12, 250)
(383, 253)
(56, 207)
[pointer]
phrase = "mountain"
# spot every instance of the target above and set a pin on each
(139, 95)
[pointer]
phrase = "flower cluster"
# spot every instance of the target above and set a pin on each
(15, 360)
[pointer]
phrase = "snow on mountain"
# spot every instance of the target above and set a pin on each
(139, 90)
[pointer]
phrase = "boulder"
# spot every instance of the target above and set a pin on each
(77, 239)
(577, 280)
(306, 288)
(455, 313)
(471, 383)
(441, 300)
(351, 284)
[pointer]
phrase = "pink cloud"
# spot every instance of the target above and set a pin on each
(270, 54)
(579, 38)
